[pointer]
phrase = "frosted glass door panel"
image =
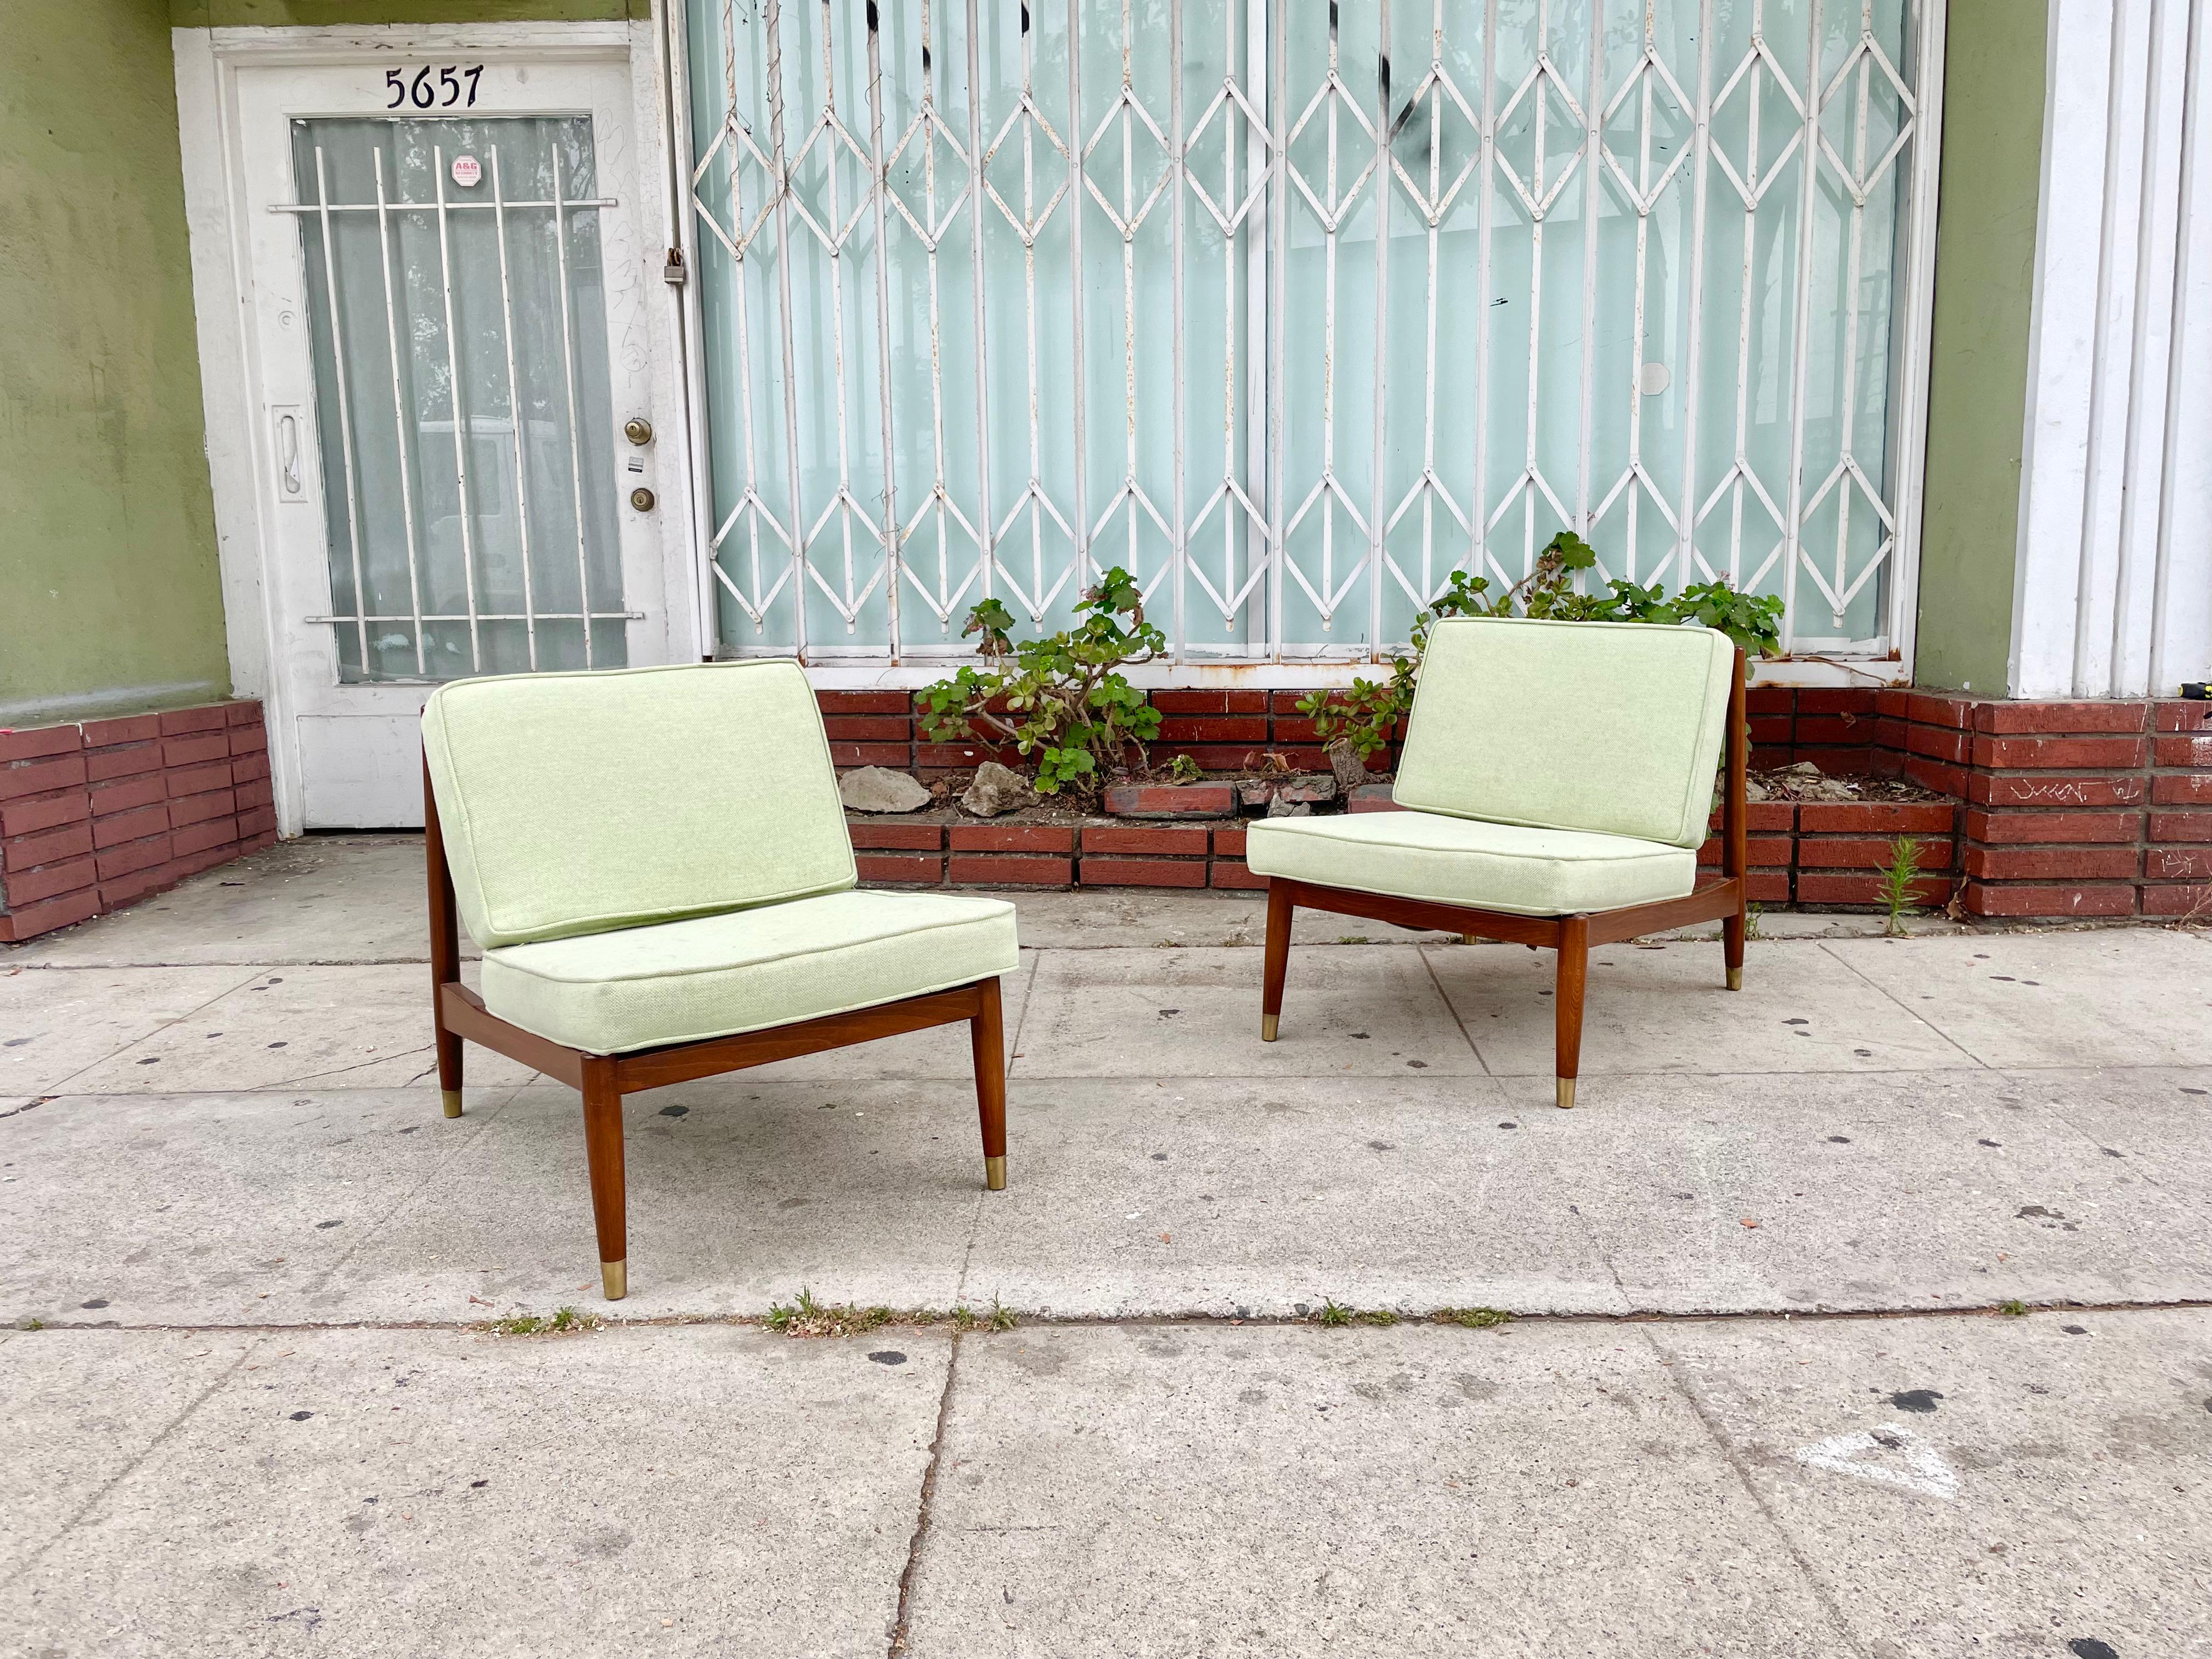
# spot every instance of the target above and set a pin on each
(462, 409)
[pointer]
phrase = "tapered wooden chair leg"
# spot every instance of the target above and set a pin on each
(449, 1070)
(1277, 960)
(602, 1150)
(1733, 929)
(1567, 999)
(986, 1037)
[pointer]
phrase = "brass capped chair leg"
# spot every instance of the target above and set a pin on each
(614, 1279)
(994, 1173)
(1268, 1023)
(1470, 938)
(1565, 1087)
(1735, 979)
(453, 1099)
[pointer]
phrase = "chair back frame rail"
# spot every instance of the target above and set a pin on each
(1571, 936)
(459, 1014)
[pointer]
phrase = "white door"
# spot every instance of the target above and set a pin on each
(449, 337)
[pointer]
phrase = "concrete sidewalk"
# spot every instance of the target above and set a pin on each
(257, 1251)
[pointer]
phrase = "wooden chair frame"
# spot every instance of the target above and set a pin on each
(457, 1013)
(1571, 936)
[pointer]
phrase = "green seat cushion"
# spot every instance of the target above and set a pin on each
(745, 970)
(1615, 727)
(1518, 868)
(577, 803)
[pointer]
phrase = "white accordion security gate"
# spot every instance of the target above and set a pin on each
(1293, 310)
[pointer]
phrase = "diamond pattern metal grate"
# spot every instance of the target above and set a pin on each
(1294, 316)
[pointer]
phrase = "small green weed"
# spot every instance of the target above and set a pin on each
(805, 1315)
(1899, 877)
(1335, 1313)
(1481, 1319)
(1751, 923)
(1352, 938)
(560, 1322)
(2013, 1305)
(1183, 770)
(33, 1325)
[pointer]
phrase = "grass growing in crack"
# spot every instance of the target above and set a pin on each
(806, 1317)
(1898, 876)
(560, 1322)
(1751, 923)
(1479, 1318)
(1334, 1314)
(2013, 1305)
(1352, 938)
(1001, 1318)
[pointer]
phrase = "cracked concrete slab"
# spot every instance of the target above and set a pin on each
(2050, 1491)
(2114, 997)
(298, 1028)
(1942, 1189)
(208, 1209)
(703, 1489)
(1177, 1489)
(318, 899)
(1236, 1196)
(741, 1193)
(1372, 1012)
(82, 1414)
(1665, 1008)
(1129, 1198)
(55, 1024)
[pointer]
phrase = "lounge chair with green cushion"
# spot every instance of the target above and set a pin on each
(655, 863)
(1559, 781)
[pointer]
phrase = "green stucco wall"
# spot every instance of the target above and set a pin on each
(109, 595)
(1993, 97)
(202, 14)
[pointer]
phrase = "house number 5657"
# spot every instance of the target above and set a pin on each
(429, 88)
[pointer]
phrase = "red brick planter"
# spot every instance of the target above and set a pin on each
(95, 815)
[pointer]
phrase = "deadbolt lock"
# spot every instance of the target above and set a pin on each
(642, 498)
(638, 429)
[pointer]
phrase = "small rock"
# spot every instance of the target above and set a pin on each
(997, 789)
(879, 789)
(1755, 791)
(1283, 807)
(1310, 789)
(1806, 769)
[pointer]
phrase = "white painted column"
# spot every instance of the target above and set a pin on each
(2113, 595)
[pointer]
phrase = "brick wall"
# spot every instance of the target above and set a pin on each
(891, 852)
(2059, 809)
(2071, 808)
(1218, 729)
(94, 816)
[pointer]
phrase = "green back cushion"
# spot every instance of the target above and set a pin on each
(578, 803)
(1610, 726)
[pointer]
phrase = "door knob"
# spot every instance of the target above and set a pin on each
(642, 498)
(638, 429)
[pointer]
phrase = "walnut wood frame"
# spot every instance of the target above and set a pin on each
(1570, 936)
(457, 1013)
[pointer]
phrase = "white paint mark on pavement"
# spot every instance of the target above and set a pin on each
(1875, 1453)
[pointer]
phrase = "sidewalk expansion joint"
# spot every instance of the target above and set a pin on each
(1439, 1319)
